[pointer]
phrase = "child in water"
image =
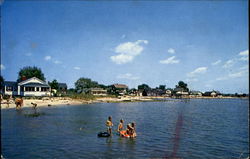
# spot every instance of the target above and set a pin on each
(133, 133)
(109, 125)
(129, 132)
(120, 126)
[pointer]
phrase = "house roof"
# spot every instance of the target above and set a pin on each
(10, 83)
(62, 85)
(120, 86)
(33, 78)
(36, 85)
(195, 92)
(179, 89)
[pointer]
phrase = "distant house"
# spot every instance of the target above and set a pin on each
(168, 92)
(212, 93)
(62, 90)
(180, 92)
(62, 87)
(98, 91)
(121, 89)
(195, 93)
(30, 87)
(133, 92)
(155, 92)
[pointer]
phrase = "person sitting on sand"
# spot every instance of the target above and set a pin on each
(120, 126)
(109, 125)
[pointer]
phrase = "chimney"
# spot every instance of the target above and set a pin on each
(23, 78)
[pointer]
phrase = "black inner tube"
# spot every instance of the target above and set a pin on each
(103, 134)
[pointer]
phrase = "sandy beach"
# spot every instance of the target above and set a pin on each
(57, 101)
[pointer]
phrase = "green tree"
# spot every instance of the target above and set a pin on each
(54, 84)
(143, 86)
(29, 72)
(84, 84)
(162, 87)
(102, 86)
(183, 85)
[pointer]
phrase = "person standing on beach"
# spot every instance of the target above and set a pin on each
(109, 125)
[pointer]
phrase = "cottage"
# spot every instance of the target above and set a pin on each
(195, 94)
(212, 93)
(98, 91)
(168, 92)
(180, 92)
(29, 87)
(155, 92)
(62, 87)
(120, 88)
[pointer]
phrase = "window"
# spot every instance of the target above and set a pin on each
(44, 89)
(9, 88)
(29, 89)
(37, 88)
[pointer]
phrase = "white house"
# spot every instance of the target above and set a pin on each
(98, 91)
(30, 87)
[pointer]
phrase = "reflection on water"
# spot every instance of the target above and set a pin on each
(195, 128)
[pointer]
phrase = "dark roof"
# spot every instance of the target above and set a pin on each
(62, 85)
(179, 89)
(36, 85)
(195, 92)
(10, 83)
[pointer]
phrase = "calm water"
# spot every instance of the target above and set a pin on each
(196, 128)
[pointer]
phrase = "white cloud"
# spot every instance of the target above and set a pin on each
(232, 75)
(216, 62)
(77, 68)
(170, 60)
(127, 51)
(244, 53)
(47, 58)
(57, 62)
(199, 70)
(244, 58)
(128, 76)
(237, 74)
(228, 64)
(171, 51)
(122, 59)
(2, 67)
(244, 67)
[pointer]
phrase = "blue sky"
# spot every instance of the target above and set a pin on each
(203, 43)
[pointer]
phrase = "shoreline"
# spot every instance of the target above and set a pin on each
(59, 101)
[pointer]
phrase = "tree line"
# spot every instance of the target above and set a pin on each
(82, 85)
